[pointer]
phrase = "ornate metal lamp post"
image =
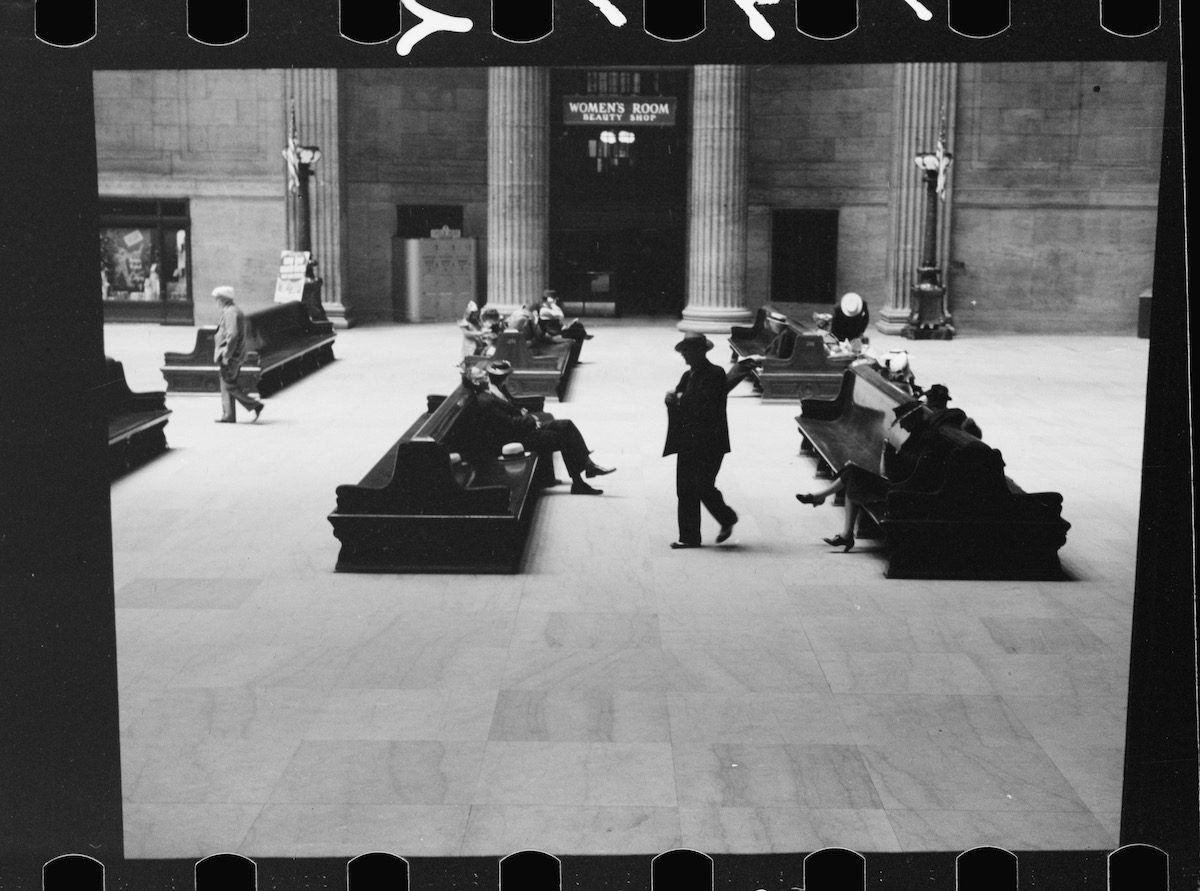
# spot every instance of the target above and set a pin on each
(929, 319)
(300, 160)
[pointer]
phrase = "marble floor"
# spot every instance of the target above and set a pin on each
(765, 695)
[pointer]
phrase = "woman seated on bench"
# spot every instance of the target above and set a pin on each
(895, 465)
(480, 330)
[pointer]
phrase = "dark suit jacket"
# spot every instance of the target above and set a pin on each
(504, 419)
(697, 422)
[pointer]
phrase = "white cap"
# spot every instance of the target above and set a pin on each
(224, 292)
(852, 303)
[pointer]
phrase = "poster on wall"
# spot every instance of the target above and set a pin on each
(293, 266)
(127, 257)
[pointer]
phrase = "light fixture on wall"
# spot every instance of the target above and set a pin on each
(610, 149)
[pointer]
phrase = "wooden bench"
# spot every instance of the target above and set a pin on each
(135, 420)
(283, 344)
(958, 515)
(441, 499)
(796, 360)
(540, 369)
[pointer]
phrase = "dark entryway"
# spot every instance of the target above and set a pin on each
(804, 255)
(618, 190)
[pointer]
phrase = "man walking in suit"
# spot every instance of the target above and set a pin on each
(229, 354)
(509, 422)
(698, 435)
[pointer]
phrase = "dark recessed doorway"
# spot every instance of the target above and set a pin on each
(618, 188)
(804, 255)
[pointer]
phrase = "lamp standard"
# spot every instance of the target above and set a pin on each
(929, 319)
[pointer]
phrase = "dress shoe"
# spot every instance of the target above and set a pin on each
(726, 531)
(224, 421)
(258, 410)
(681, 545)
(579, 487)
(845, 542)
(596, 470)
(814, 500)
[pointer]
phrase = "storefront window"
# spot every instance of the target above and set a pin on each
(144, 252)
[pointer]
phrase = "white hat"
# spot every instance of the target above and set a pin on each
(851, 304)
(223, 293)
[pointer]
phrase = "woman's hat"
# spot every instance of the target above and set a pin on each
(851, 304)
(500, 368)
(224, 292)
(695, 341)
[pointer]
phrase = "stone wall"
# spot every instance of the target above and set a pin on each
(409, 136)
(821, 137)
(1056, 188)
(1055, 177)
(213, 137)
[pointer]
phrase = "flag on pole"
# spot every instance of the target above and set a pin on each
(291, 155)
(943, 157)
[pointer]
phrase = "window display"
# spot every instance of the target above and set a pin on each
(144, 260)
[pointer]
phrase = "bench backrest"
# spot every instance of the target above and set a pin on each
(119, 398)
(864, 399)
(276, 325)
(420, 478)
(513, 346)
(961, 479)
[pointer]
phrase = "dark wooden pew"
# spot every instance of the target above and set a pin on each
(283, 344)
(441, 499)
(796, 360)
(539, 368)
(959, 515)
(136, 421)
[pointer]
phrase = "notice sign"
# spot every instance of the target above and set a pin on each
(290, 284)
(620, 110)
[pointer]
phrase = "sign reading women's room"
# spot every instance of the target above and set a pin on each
(615, 110)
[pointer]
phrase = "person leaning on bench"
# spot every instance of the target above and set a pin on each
(229, 353)
(509, 422)
(895, 465)
(698, 435)
(937, 398)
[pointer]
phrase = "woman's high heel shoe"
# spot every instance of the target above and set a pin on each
(814, 500)
(846, 542)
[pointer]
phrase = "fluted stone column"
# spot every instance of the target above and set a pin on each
(717, 200)
(923, 92)
(313, 92)
(518, 185)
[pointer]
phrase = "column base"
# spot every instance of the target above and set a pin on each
(935, 332)
(336, 313)
(893, 319)
(713, 319)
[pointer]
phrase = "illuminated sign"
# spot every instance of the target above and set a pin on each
(624, 110)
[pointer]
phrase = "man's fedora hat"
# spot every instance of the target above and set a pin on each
(694, 342)
(938, 392)
(500, 368)
(905, 409)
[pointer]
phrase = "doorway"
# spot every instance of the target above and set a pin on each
(618, 189)
(804, 256)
